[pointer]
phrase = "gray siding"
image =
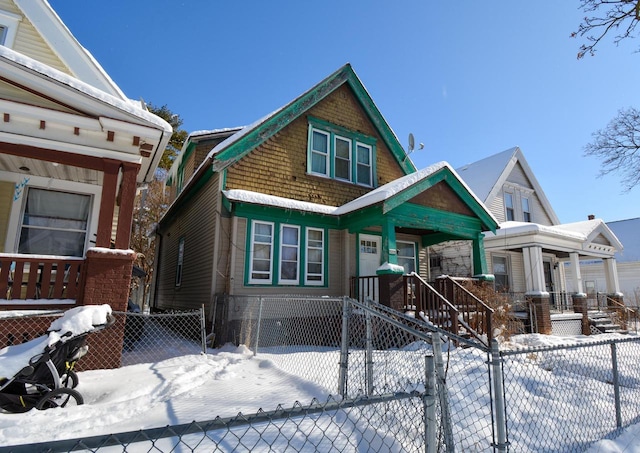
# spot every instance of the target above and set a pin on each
(196, 223)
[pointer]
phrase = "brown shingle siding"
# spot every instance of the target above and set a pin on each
(279, 166)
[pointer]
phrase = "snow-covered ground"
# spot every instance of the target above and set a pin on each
(221, 383)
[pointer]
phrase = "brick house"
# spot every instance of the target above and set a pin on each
(304, 201)
(74, 150)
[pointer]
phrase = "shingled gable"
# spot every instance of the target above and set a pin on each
(244, 141)
(379, 201)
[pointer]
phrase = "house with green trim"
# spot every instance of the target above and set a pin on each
(305, 201)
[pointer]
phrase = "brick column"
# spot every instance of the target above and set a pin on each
(542, 313)
(391, 290)
(106, 278)
(580, 306)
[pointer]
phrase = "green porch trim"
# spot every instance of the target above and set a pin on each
(389, 242)
(437, 238)
(443, 174)
(283, 117)
(479, 256)
(422, 217)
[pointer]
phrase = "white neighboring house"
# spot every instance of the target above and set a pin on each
(628, 264)
(527, 254)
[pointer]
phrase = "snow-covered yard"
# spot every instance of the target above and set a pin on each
(198, 387)
(552, 387)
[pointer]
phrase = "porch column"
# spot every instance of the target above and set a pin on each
(389, 253)
(575, 273)
(611, 276)
(534, 270)
(536, 290)
(107, 202)
(127, 199)
(479, 256)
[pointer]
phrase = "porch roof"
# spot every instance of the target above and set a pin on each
(589, 238)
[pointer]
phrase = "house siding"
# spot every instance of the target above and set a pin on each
(29, 42)
(279, 166)
(197, 225)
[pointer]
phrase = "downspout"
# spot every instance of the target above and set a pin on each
(156, 271)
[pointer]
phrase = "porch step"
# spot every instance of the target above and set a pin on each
(603, 323)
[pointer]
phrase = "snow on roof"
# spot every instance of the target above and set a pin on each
(378, 195)
(483, 175)
(125, 105)
(515, 228)
(627, 232)
(388, 190)
(246, 196)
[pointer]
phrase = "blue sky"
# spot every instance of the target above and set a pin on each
(469, 79)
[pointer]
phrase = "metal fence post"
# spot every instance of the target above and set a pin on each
(429, 404)
(616, 384)
(255, 349)
(369, 351)
(498, 397)
(203, 330)
(445, 410)
(344, 349)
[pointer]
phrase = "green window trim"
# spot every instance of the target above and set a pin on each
(327, 155)
(305, 258)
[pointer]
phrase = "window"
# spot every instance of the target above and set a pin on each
(343, 158)
(338, 153)
(406, 256)
(283, 254)
(180, 260)
(320, 153)
(508, 204)
(526, 213)
(289, 254)
(364, 165)
(501, 272)
(261, 252)
(315, 257)
(54, 223)
(9, 26)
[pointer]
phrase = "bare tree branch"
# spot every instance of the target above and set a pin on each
(605, 16)
(618, 147)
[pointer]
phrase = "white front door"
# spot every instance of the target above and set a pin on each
(370, 251)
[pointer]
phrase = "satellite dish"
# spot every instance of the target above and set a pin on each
(411, 142)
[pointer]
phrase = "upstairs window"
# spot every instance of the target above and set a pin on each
(508, 205)
(526, 213)
(9, 26)
(338, 153)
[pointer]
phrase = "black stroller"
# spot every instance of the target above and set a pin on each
(39, 373)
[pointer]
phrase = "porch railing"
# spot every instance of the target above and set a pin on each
(421, 297)
(363, 288)
(474, 314)
(36, 277)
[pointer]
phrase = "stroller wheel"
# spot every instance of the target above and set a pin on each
(60, 398)
(69, 379)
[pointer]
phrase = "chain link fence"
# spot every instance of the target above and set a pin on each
(145, 338)
(396, 383)
(595, 386)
